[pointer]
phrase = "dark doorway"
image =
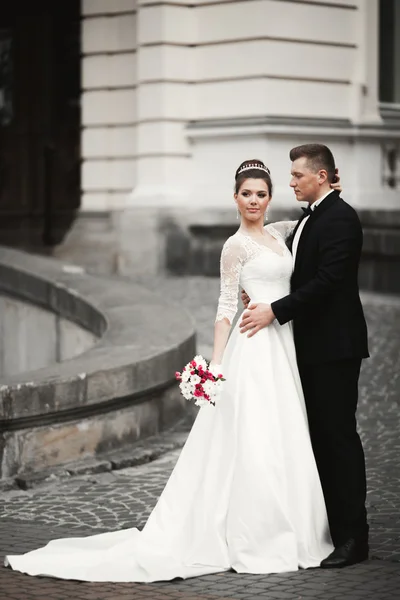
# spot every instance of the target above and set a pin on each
(389, 51)
(39, 121)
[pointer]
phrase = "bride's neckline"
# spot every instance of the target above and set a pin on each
(259, 243)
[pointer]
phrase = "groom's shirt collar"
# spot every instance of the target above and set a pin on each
(302, 224)
(314, 205)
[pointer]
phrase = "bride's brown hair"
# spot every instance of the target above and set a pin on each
(252, 169)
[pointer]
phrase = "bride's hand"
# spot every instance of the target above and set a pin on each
(245, 299)
(215, 367)
(335, 185)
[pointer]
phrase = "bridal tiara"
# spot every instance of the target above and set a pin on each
(254, 166)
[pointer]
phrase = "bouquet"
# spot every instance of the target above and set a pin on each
(200, 382)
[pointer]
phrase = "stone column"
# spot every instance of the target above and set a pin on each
(109, 98)
(163, 158)
(109, 130)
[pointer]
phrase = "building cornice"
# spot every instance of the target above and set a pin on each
(282, 126)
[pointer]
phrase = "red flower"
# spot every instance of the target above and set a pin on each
(178, 376)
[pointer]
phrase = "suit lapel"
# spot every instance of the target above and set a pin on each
(323, 207)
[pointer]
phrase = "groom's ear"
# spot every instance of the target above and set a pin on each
(322, 176)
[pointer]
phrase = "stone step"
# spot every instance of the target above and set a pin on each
(144, 451)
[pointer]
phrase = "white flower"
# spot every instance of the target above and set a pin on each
(201, 402)
(209, 387)
(186, 389)
(200, 361)
(195, 379)
(185, 376)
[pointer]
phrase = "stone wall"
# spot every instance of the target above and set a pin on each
(193, 247)
(32, 337)
(176, 95)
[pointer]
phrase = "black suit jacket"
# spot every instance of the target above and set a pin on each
(324, 303)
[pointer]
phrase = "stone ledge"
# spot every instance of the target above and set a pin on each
(128, 376)
(134, 455)
(195, 249)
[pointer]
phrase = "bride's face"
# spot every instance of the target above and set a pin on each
(252, 199)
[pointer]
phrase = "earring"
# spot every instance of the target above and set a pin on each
(266, 214)
(237, 213)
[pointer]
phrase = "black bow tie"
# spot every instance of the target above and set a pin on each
(307, 211)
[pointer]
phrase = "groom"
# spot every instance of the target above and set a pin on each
(330, 335)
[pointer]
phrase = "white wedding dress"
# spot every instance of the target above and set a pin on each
(245, 492)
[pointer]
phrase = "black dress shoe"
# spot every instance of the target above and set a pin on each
(351, 552)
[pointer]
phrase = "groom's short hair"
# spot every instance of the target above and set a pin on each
(318, 157)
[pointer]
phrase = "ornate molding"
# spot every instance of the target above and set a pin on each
(281, 126)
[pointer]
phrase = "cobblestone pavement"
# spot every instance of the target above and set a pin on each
(124, 498)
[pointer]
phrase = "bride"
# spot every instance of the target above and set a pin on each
(245, 493)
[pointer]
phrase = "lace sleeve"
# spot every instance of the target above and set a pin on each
(231, 265)
(285, 228)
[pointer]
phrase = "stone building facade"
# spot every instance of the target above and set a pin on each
(175, 94)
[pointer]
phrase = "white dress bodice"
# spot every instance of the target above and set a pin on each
(257, 268)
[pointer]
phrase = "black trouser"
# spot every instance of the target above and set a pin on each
(331, 394)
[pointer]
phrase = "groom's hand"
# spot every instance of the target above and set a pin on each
(258, 317)
(336, 185)
(245, 299)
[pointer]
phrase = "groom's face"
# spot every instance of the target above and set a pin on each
(304, 181)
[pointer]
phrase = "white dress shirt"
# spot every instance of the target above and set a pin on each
(296, 238)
